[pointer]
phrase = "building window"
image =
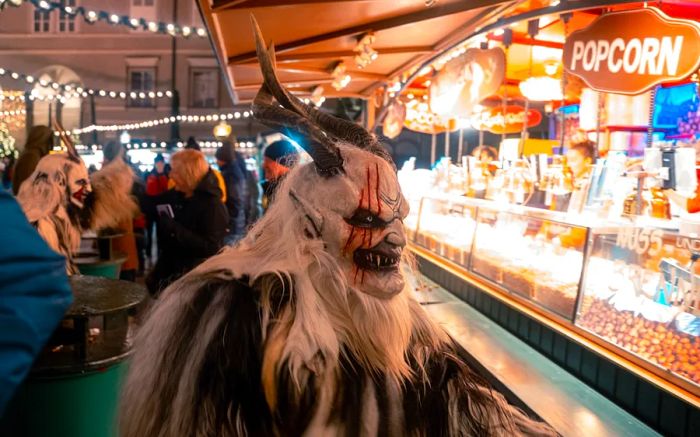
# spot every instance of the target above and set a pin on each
(66, 22)
(142, 80)
(42, 20)
(204, 88)
(144, 9)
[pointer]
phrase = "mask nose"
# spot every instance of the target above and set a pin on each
(396, 234)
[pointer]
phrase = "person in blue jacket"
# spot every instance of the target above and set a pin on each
(34, 295)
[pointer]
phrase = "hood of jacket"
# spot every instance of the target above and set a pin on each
(208, 186)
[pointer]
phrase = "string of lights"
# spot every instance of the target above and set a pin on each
(157, 122)
(146, 145)
(12, 113)
(67, 91)
(92, 17)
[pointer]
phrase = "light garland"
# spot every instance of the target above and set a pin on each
(157, 122)
(92, 17)
(146, 145)
(67, 91)
(13, 113)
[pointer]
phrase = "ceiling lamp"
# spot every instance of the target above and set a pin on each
(317, 96)
(365, 53)
(541, 89)
(222, 130)
(340, 78)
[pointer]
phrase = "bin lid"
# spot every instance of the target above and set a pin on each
(94, 295)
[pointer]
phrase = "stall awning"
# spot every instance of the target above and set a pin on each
(313, 36)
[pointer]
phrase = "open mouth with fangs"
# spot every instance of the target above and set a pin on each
(374, 259)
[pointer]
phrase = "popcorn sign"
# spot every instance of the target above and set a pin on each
(630, 52)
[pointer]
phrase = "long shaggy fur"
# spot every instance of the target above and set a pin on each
(269, 338)
(45, 200)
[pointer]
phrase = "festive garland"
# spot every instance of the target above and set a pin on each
(67, 91)
(92, 17)
(7, 142)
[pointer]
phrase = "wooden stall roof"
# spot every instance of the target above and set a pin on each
(312, 36)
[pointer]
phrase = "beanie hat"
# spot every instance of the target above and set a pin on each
(225, 152)
(192, 144)
(111, 151)
(159, 158)
(283, 152)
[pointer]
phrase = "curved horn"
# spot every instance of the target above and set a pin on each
(337, 127)
(325, 154)
(70, 147)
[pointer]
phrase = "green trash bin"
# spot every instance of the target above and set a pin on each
(73, 388)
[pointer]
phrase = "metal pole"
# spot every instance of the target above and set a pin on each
(447, 143)
(175, 101)
(433, 146)
(93, 117)
(29, 109)
(460, 143)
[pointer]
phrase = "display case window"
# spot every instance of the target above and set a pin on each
(446, 227)
(641, 293)
(538, 259)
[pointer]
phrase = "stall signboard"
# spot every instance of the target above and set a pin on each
(506, 120)
(630, 52)
(467, 80)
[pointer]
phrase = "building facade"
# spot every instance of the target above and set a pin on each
(55, 46)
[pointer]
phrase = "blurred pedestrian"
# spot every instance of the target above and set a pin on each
(126, 242)
(194, 145)
(38, 145)
(192, 220)
(278, 158)
(156, 184)
(235, 181)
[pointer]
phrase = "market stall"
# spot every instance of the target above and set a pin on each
(599, 247)
(571, 226)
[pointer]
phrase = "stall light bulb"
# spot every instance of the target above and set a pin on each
(29, 79)
(103, 93)
(55, 85)
(114, 18)
(14, 75)
(237, 115)
(91, 16)
(168, 93)
(201, 32)
(186, 31)
(142, 95)
(153, 26)
(44, 5)
(159, 94)
(246, 114)
(122, 95)
(68, 10)
(134, 22)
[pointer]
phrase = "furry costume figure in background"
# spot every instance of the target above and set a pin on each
(307, 326)
(62, 201)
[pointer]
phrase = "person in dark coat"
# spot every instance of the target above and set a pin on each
(156, 184)
(38, 145)
(199, 223)
(278, 158)
(236, 189)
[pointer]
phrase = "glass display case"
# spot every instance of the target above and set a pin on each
(641, 293)
(635, 287)
(530, 255)
(445, 226)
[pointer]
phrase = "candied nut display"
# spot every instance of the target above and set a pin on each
(653, 341)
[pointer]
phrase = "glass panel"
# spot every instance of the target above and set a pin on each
(535, 258)
(41, 21)
(641, 292)
(66, 22)
(205, 88)
(446, 227)
(142, 80)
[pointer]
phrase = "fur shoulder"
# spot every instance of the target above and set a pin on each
(40, 197)
(197, 363)
(113, 203)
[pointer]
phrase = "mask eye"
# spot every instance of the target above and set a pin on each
(365, 219)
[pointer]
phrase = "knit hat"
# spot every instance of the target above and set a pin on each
(111, 151)
(159, 158)
(283, 152)
(192, 144)
(225, 152)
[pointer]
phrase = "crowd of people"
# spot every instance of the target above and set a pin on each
(189, 209)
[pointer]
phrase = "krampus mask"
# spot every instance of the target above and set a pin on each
(62, 201)
(307, 326)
